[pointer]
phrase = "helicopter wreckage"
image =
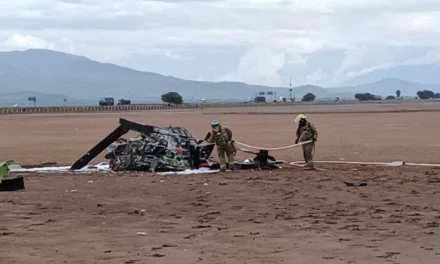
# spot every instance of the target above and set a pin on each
(163, 149)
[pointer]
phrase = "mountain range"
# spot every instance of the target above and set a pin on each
(57, 78)
(428, 73)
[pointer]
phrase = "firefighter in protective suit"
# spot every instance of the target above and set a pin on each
(306, 131)
(222, 137)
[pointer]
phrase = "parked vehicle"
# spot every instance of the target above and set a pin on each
(124, 102)
(107, 101)
(260, 99)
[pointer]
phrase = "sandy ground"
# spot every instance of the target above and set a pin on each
(285, 216)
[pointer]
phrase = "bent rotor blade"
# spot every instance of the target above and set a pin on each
(101, 146)
(123, 128)
(144, 129)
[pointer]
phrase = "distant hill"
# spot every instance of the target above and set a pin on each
(53, 76)
(415, 73)
(51, 72)
(389, 86)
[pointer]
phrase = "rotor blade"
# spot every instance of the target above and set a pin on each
(123, 128)
(145, 129)
(101, 146)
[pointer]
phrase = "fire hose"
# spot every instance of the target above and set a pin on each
(391, 164)
(278, 148)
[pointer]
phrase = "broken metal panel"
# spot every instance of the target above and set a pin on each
(11, 185)
(10, 165)
(2, 173)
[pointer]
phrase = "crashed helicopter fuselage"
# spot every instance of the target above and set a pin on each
(156, 149)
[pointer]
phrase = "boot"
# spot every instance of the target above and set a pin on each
(309, 166)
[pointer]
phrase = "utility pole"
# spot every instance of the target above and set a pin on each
(290, 90)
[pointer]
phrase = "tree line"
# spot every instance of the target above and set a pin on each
(176, 98)
(424, 94)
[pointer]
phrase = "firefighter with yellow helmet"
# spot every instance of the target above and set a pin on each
(306, 131)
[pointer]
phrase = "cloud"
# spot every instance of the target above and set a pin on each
(260, 65)
(278, 37)
(23, 42)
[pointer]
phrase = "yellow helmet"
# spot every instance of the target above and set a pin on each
(299, 117)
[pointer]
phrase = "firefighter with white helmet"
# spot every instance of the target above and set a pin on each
(306, 131)
(222, 137)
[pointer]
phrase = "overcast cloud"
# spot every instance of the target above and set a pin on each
(322, 42)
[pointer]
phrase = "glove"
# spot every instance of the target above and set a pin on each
(296, 141)
(314, 139)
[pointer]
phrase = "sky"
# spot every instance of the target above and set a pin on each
(267, 42)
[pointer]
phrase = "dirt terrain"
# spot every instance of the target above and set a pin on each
(285, 216)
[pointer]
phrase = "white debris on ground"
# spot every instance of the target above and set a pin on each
(91, 168)
(189, 172)
(104, 167)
